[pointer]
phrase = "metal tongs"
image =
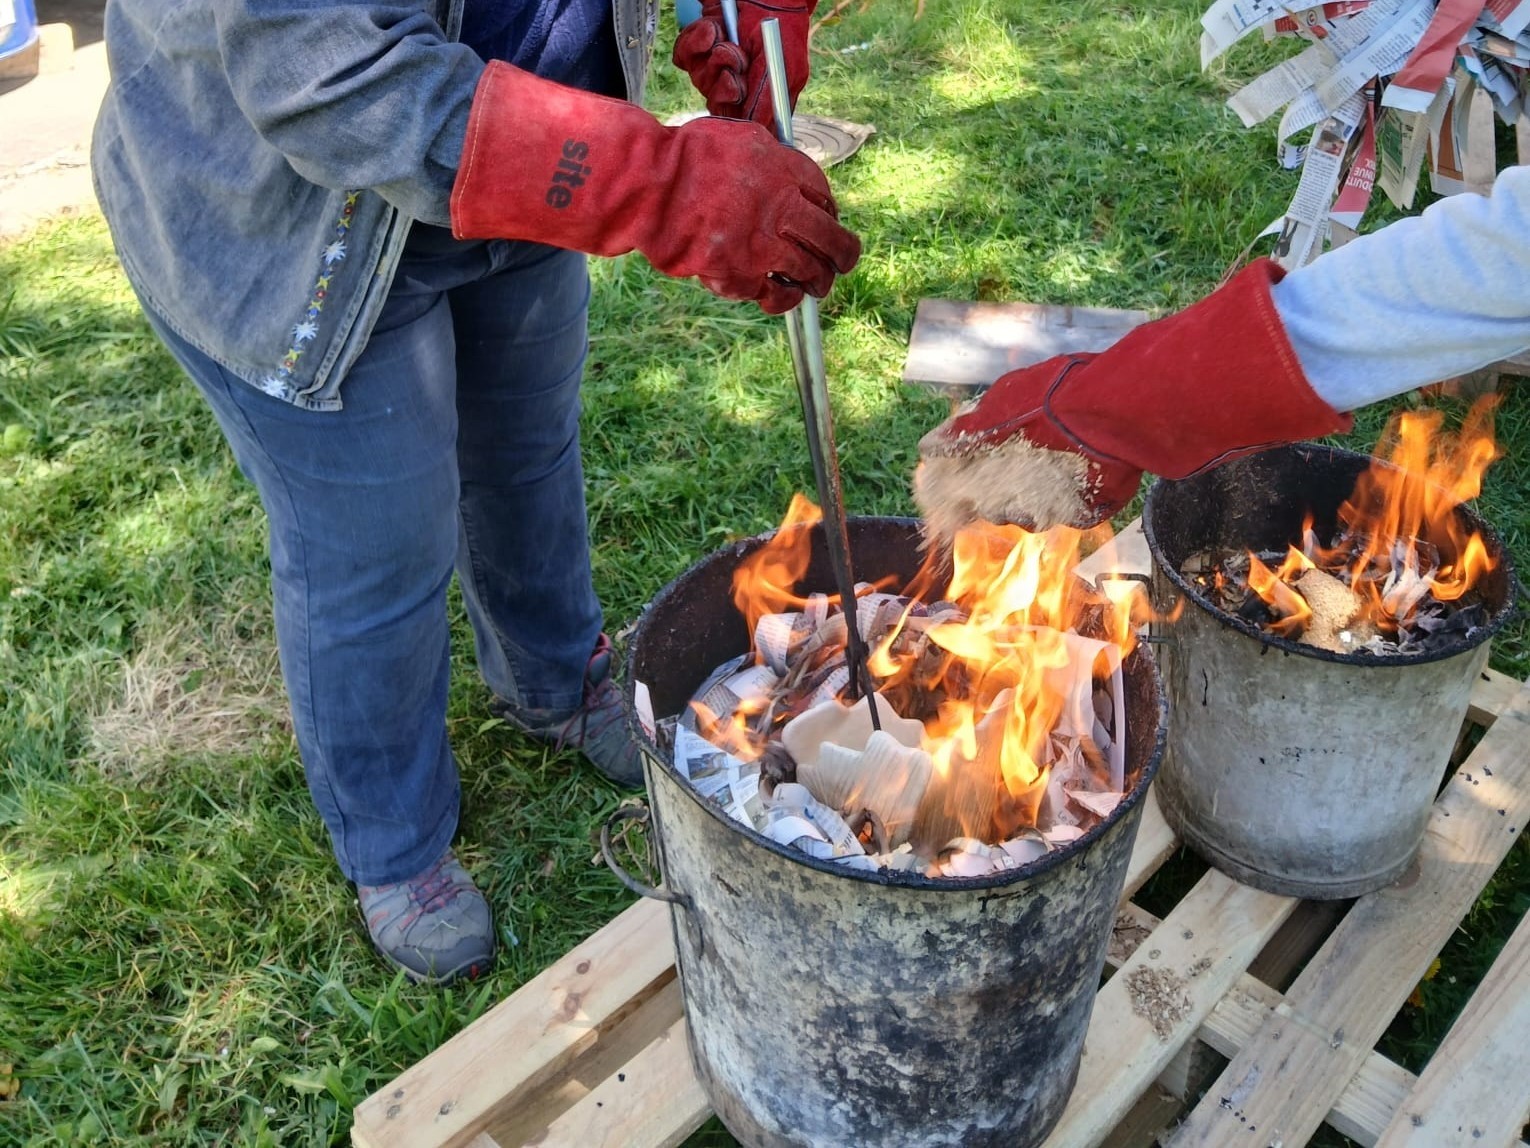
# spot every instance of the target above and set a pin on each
(805, 337)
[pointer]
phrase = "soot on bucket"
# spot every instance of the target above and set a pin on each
(830, 1006)
(1306, 770)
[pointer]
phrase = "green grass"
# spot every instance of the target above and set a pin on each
(180, 962)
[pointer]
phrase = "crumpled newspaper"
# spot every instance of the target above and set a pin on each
(768, 738)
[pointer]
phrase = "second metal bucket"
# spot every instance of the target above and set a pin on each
(829, 1007)
(1296, 770)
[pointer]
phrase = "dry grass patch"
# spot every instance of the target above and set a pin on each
(195, 687)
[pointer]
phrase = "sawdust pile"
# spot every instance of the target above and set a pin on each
(1015, 481)
(1159, 997)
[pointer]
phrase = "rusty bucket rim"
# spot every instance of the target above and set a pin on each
(653, 757)
(1474, 520)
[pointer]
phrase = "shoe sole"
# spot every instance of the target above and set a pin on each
(472, 970)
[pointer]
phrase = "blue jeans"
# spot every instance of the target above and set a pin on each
(458, 446)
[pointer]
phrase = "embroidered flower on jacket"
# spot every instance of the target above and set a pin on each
(307, 329)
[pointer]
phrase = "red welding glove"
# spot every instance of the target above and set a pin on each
(732, 76)
(717, 199)
(1066, 441)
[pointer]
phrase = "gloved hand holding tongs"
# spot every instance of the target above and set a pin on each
(717, 199)
(723, 52)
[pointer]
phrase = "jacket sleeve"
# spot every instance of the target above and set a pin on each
(1425, 298)
(354, 95)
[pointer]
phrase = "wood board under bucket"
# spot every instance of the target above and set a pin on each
(592, 1051)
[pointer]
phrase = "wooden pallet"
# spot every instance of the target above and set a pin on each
(593, 1051)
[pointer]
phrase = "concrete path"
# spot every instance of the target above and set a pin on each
(45, 120)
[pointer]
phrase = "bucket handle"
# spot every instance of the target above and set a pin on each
(636, 812)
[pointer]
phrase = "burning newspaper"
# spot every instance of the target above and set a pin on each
(1398, 573)
(1001, 713)
(1381, 87)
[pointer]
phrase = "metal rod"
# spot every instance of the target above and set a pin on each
(805, 338)
(730, 19)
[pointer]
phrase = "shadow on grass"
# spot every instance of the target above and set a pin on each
(183, 962)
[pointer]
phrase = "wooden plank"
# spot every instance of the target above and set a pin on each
(1160, 997)
(1288, 1077)
(1491, 695)
(1153, 1113)
(1370, 1099)
(961, 347)
(453, 1094)
(1198, 1061)
(1516, 365)
(1476, 1087)
(654, 1102)
(1301, 936)
(536, 1110)
(1196, 1064)
(1155, 844)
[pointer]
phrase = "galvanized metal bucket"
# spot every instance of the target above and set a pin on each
(1293, 769)
(829, 1007)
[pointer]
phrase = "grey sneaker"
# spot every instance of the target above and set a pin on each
(436, 926)
(598, 728)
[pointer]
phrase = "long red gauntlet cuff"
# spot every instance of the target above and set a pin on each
(1218, 380)
(715, 199)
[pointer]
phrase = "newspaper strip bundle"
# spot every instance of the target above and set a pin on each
(1380, 89)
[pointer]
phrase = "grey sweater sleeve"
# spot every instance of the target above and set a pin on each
(1423, 299)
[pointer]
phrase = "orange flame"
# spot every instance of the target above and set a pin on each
(1399, 527)
(731, 732)
(996, 668)
(765, 582)
(1291, 610)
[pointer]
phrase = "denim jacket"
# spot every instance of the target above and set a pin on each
(259, 163)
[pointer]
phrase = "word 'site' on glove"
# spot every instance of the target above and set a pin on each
(732, 76)
(1067, 441)
(717, 199)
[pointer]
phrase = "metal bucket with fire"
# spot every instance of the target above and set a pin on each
(1300, 770)
(829, 1006)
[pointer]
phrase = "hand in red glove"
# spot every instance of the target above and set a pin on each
(732, 76)
(1066, 441)
(717, 199)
